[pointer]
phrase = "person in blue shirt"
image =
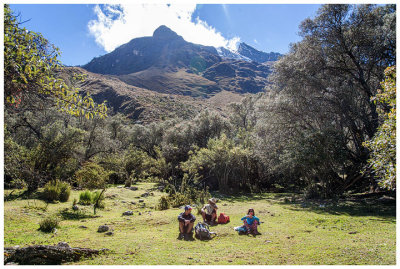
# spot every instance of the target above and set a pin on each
(251, 222)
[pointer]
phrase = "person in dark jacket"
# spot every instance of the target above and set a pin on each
(186, 221)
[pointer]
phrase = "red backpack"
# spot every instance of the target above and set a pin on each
(222, 219)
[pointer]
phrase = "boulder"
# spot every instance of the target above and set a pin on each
(145, 194)
(103, 228)
(127, 213)
(141, 200)
(109, 233)
(133, 188)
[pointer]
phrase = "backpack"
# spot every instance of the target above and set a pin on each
(202, 231)
(223, 219)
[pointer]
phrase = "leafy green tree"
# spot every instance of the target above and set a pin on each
(30, 69)
(323, 87)
(383, 144)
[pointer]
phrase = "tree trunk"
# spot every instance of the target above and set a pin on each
(47, 255)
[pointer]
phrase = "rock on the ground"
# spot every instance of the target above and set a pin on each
(133, 203)
(127, 213)
(145, 194)
(75, 207)
(109, 233)
(103, 228)
(83, 227)
(63, 245)
(133, 188)
(141, 200)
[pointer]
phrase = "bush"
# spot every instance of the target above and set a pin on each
(187, 196)
(91, 176)
(48, 224)
(85, 198)
(164, 203)
(56, 190)
(65, 191)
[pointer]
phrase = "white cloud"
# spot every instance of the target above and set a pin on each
(118, 24)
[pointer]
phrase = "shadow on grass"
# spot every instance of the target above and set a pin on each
(67, 214)
(246, 197)
(22, 195)
(362, 207)
(353, 206)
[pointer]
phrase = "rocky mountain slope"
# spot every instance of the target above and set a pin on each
(256, 55)
(162, 76)
(166, 63)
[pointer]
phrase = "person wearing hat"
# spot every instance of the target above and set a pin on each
(186, 221)
(209, 211)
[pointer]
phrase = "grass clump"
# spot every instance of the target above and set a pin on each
(56, 190)
(85, 198)
(89, 198)
(48, 224)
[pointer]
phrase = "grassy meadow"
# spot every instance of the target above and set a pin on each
(293, 232)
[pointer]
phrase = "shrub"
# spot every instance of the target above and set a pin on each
(65, 191)
(85, 198)
(51, 191)
(164, 203)
(48, 224)
(91, 176)
(56, 190)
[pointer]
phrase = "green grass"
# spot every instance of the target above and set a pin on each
(293, 233)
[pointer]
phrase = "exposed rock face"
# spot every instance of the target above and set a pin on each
(166, 63)
(256, 55)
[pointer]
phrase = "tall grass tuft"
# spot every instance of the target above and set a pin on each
(56, 190)
(85, 198)
(48, 224)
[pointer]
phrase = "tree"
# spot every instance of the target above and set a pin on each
(323, 87)
(383, 144)
(30, 70)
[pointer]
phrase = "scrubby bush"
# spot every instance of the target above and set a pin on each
(65, 191)
(56, 190)
(164, 203)
(91, 176)
(48, 224)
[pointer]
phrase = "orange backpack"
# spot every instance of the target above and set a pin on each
(222, 219)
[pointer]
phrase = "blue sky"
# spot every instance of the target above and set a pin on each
(86, 31)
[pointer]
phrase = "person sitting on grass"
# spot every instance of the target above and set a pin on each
(186, 221)
(251, 222)
(209, 211)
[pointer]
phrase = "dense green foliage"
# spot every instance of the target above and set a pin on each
(56, 190)
(30, 72)
(383, 144)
